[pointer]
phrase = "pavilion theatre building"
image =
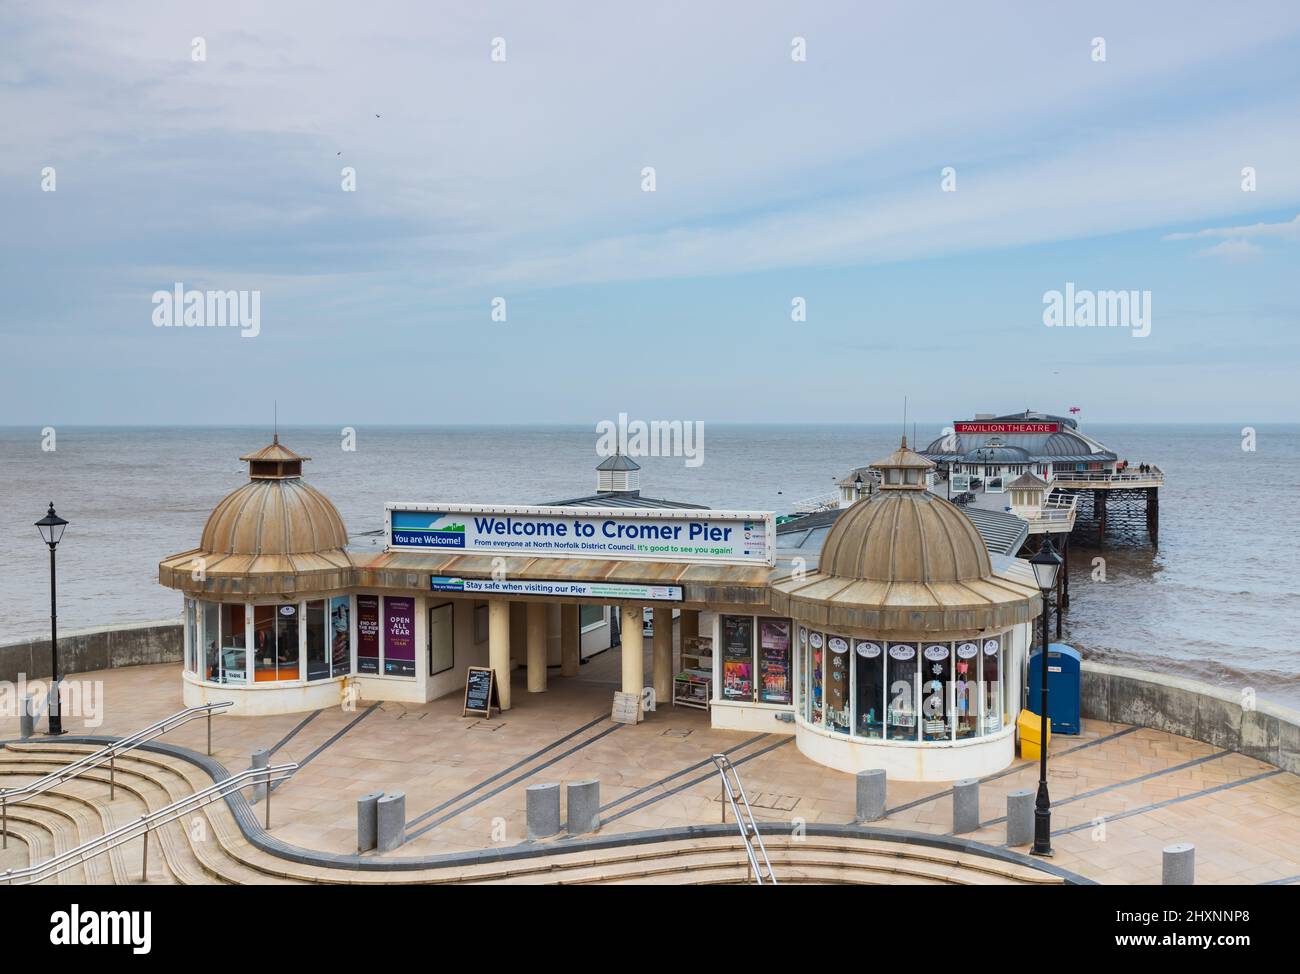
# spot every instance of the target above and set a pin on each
(900, 645)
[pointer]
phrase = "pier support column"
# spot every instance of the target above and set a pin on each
(570, 639)
(633, 647)
(1153, 516)
(662, 649)
(536, 647)
(1065, 573)
(1099, 502)
(499, 648)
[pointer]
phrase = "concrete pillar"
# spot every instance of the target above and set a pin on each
(27, 717)
(499, 648)
(966, 805)
(536, 647)
(392, 821)
(368, 821)
(633, 647)
(261, 759)
(871, 795)
(543, 810)
(689, 624)
(570, 639)
(518, 633)
(662, 650)
(584, 806)
(1179, 867)
(1020, 817)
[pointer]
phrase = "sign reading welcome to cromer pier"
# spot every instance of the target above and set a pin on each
(727, 537)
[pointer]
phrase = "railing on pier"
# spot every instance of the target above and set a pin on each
(733, 794)
(820, 502)
(105, 755)
(1126, 478)
(147, 823)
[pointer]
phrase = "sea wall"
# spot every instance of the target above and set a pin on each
(101, 648)
(1220, 717)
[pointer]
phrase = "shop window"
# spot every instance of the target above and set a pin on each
(991, 678)
(966, 690)
(340, 635)
(590, 615)
(399, 635)
(813, 677)
(838, 717)
(869, 689)
(900, 714)
(936, 688)
(774, 670)
(801, 660)
(191, 637)
(318, 659)
(212, 641)
(738, 658)
(275, 642)
(367, 633)
(234, 651)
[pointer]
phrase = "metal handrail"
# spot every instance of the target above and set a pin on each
(1097, 476)
(109, 753)
(745, 820)
(145, 823)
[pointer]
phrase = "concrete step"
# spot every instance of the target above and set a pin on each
(209, 847)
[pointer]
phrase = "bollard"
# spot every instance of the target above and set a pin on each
(584, 806)
(1179, 867)
(966, 806)
(368, 821)
(1020, 817)
(543, 803)
(27, 718)
(261, 759)
(392, 821)
(871, 795)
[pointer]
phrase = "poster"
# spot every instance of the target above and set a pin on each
(737, 658)
(367, 633)
(399, 635)
(340, 629)
(774, 661)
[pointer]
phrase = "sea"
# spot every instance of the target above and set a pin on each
(1216, 602)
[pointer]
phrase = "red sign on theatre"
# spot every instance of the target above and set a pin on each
(1007, 427)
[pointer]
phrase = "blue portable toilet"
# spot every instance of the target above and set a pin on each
(1064, 687)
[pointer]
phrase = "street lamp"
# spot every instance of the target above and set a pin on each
(1046, 565)
(51, 527)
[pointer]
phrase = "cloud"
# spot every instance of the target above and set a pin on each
(1235, 248)
(1290, 230)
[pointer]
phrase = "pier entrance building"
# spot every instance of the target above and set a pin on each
(900, 645)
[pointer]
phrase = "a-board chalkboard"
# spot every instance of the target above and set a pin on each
(480, 691)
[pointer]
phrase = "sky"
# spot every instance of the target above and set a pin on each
(917, 182)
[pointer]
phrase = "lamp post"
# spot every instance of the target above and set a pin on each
(1046, 565)
(51, 527)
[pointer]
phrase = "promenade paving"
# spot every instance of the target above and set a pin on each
(1120, 793)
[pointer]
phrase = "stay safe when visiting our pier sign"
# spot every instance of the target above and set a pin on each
(720, 537)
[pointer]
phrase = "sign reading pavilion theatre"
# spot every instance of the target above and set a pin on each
(721, 537)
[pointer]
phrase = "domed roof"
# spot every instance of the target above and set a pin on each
(905, 536)
(274, 535)
(906, 561)
(274, 517)
(996, 451)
